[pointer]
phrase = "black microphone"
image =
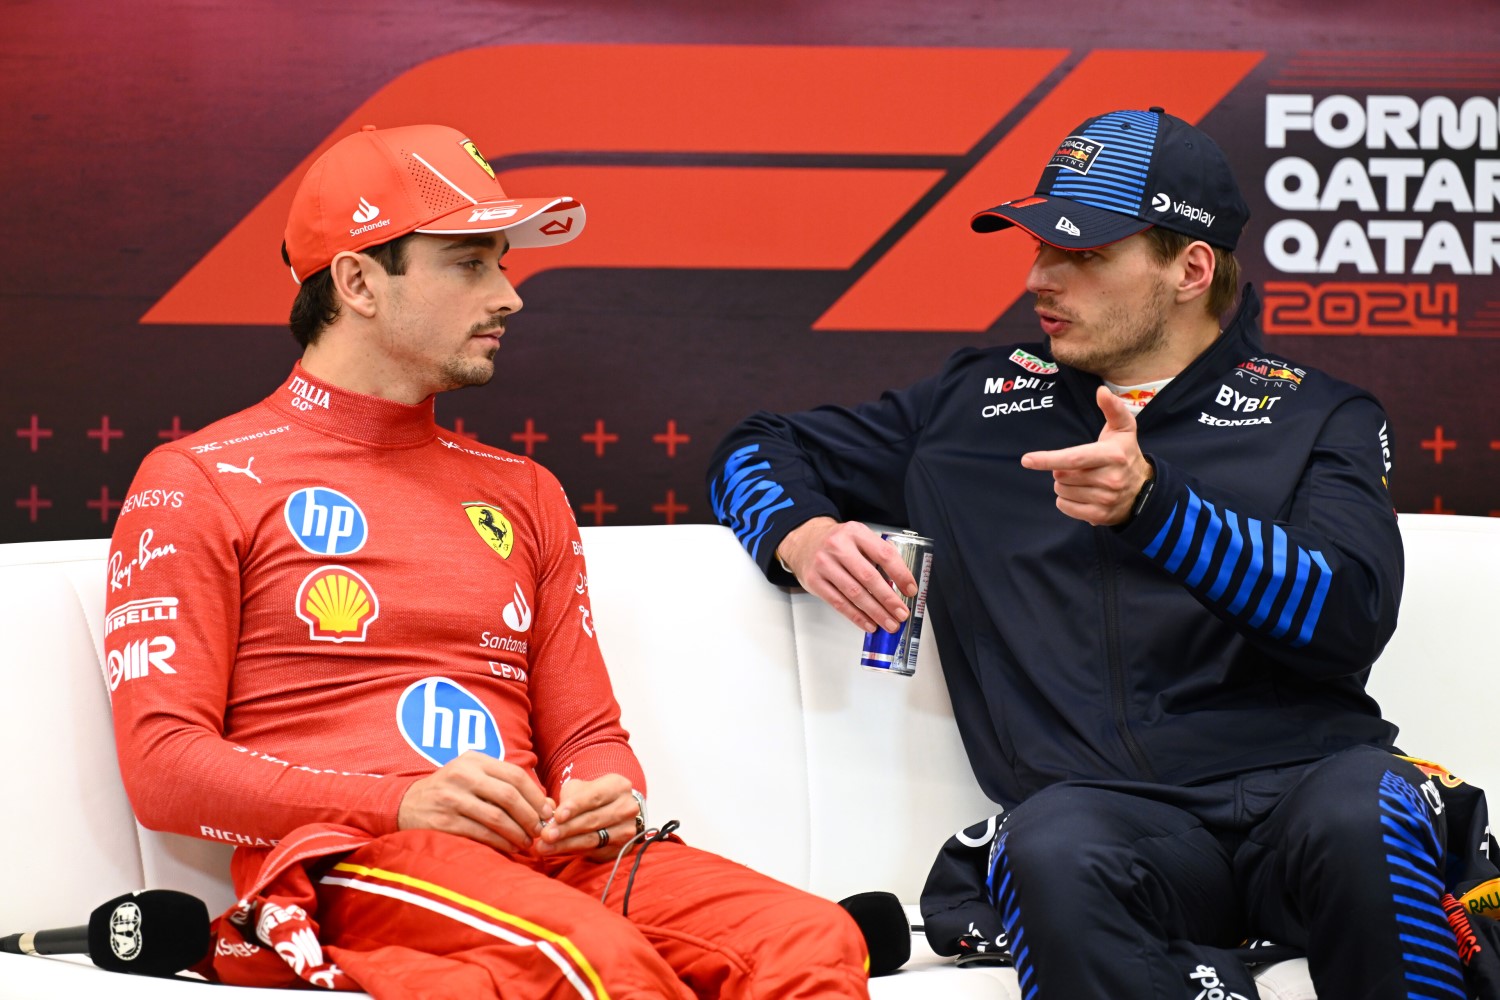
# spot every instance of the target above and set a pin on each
(154, 932)
(887, 932)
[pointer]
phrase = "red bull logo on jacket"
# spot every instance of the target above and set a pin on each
(1278, 371)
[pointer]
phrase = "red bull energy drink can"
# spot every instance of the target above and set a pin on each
(896, 652)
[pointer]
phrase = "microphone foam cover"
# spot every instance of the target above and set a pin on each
(155, 932)
(887, 931)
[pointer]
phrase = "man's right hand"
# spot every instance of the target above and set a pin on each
(481, 798)
(841, 562)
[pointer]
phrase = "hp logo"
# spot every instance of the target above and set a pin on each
(325, 522)
(441, 720)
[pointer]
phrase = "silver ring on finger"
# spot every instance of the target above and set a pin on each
(603, 838)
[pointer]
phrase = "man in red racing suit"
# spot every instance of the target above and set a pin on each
(361, 648)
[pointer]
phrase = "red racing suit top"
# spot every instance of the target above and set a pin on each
(324, 597)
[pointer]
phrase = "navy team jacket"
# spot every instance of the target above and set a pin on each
(1229, 627)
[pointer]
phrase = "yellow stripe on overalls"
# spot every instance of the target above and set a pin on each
(509, 918)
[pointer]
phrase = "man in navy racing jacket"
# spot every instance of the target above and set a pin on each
(1165, 559)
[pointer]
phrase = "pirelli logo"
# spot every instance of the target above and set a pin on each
(147, 609)
(863, 161)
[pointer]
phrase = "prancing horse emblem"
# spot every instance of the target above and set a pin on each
(492, 526)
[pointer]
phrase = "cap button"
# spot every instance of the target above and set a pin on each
(376, 128)
(1158, 110)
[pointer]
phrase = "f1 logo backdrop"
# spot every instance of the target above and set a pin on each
(780, 226)
(785, 157)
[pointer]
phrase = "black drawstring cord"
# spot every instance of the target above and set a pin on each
(646, 838)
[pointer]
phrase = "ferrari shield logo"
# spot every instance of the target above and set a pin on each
(492, 526)
(473, 151)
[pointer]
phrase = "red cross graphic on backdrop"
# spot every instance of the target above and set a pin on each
(599, 438)
(105, 433)
(599, 508)
(1438, 508)
(671, 508)
(458, 428)
(35, 503)
(104, 505)
(174, 432)
(1437, 444)
(671, 439)
(33, 432)
(529, 437)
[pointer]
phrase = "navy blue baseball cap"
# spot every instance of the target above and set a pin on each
(1120, 173)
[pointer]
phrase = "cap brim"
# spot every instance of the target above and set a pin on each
(528, 222)
(1060, 222)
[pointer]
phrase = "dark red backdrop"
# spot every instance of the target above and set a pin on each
(776, 192)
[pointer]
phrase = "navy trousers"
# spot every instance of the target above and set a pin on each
(1131, 890)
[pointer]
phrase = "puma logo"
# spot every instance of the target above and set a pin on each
(226, 467)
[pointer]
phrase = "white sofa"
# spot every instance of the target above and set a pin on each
(757, 729)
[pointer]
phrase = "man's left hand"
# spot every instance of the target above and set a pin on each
(583, 809)
(1098, 482)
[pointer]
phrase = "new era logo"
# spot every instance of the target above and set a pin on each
(1066, 225)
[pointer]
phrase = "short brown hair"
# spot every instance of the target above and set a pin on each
(1167, 245)
(316, 304)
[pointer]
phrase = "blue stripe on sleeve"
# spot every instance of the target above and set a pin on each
(1230, 558)
(1315, 607)
(1161, 536)
(1276, 565)
(1304, 568)
(1278, 576)
(756, 533)
(1206, 548)
(1189, 525)
(748, 501)
(1252, 572)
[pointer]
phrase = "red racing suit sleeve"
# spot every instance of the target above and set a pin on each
(171, 631)
(575, 718)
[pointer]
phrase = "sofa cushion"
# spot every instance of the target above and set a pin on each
(757, 728)
(702, 658)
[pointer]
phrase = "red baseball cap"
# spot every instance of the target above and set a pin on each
(381, 183)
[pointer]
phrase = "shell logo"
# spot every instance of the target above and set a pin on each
(338, 604)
